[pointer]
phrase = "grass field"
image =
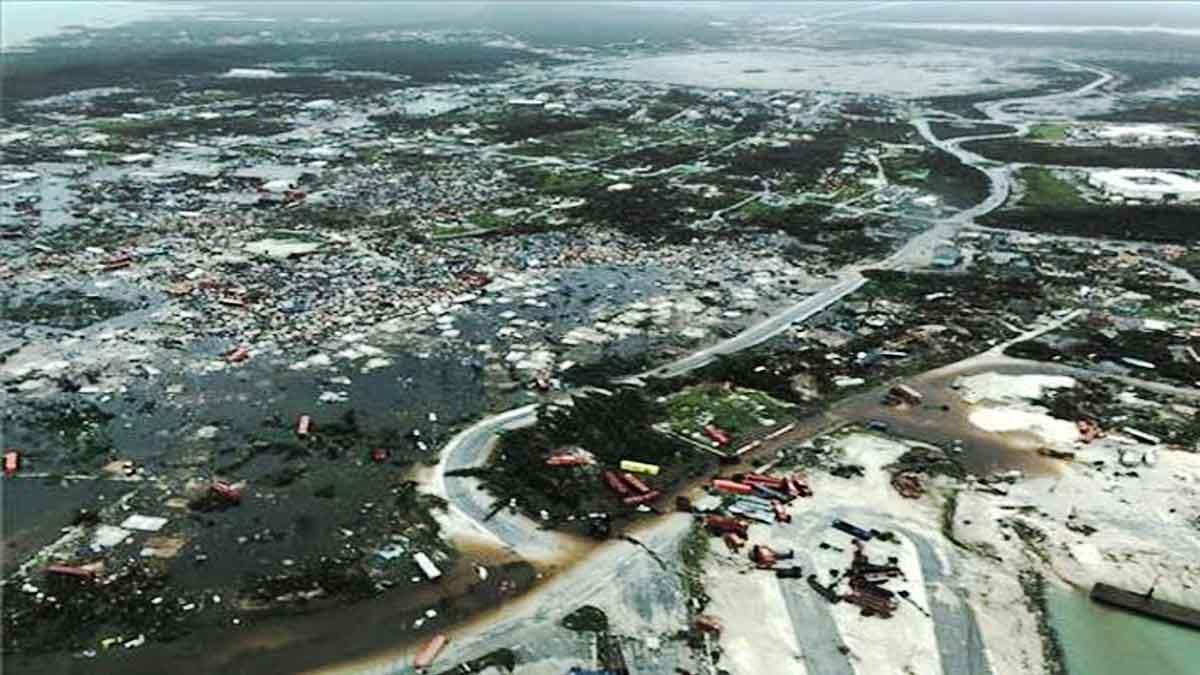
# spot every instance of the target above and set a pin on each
(1049, 132)
(736, 411)
(1044, 188)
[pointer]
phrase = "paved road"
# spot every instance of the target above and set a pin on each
(523, 536)
(763, 330)
(472, 505)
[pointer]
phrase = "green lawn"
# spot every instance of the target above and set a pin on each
(1049, 132)
(1044, 189)
(737, 411)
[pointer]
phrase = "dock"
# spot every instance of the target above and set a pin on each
(1146, 605)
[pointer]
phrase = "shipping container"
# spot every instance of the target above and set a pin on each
(635, 483)
(730, 486)
(430, 651)
(12, 462)
(431, 571)
(639, 467)
(718, 435)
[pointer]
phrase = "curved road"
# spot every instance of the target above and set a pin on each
(470, 506)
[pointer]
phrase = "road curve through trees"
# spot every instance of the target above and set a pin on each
(525, 537)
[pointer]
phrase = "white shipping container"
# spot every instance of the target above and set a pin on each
(427, 566)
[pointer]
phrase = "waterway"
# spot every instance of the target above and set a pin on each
(1099, 640)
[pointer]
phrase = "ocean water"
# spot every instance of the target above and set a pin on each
(1099, 640)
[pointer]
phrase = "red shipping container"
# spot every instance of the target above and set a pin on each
(642, 499)
(429, 652)
(635, 483)
(732, 486)
(12, 462)
(615, 484)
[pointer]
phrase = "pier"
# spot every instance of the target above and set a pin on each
(1147, 605)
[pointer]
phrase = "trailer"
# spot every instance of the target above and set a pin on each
(722, 524)
(642, 498)
(732, 487)
(853, 530)
(430, 651)
(765, 481)
(226, 492)
(71, 571)
(615, 483)
(303, 426)
(639, 467)
(718, 435)
(12, 462)
(824, 591)
(431, 571)
(567, 459)
(635, 483)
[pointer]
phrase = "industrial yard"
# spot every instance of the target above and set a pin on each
(680, 345)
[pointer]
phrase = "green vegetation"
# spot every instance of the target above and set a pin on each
(1112, 156)
(1033, 583)
(949, 509)
(1159, 224)
(801, 163)
(1049, 132)
(940, 173)
(612, 428)
(176, 127)
(693, 551)
(566, 183)
(736, 411)
(947, 130)
(1045, 189)
(504, 659)
(586, 618)
(68, 308)
(1180, 111)
(488, 220)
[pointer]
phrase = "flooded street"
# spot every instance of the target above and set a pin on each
(942, 420)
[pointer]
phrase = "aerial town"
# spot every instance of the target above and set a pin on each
(827, 339)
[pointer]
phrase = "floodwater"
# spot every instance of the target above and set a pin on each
(885, 73)
(297, 643)
(942, 420)
(1099, 640)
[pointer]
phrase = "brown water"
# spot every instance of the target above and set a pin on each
(942, 420)
(291, 644)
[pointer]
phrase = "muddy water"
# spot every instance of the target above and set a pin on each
(291, 644)
(942, 420)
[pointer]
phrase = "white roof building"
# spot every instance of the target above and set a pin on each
(1147, 184)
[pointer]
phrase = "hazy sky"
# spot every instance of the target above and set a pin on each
(22, 20)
